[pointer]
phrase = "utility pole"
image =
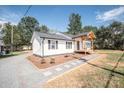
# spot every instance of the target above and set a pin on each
(12, 39)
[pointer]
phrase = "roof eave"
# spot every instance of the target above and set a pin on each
(57, 38)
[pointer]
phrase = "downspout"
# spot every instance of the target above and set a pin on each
(74, 44)
(43, 47)
(42, 57)
(92, 45)
(40, 48)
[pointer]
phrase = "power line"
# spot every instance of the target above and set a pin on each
(26, 12)
(29, 7)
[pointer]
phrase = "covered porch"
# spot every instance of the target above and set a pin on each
(84, 42)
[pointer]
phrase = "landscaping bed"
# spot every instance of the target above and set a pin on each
(58, 59)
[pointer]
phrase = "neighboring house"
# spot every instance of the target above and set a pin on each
(1, 44)
(4, 49)
(46, 44)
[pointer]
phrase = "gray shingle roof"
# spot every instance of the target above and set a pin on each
(52, 36)
(70, 35)
(58, 35)
(84, 33)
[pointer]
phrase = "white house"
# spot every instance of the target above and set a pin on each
(46, 44)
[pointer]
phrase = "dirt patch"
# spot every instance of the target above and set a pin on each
(59, 59)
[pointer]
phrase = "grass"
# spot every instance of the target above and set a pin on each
(104, 72)
(103, 78)
(107, 78)
(11, 54)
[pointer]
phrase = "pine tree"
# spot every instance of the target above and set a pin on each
(75, 24)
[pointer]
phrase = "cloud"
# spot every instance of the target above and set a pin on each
(6, 15)
(113, 14)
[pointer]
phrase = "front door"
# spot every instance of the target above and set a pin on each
(78, 45)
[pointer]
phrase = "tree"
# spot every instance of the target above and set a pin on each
(26, 27)
(6, 32)
(110, 37)
(118, 32)
(75, 24)
(44, 29)
(16, 36)
(100, 37)
(89, 28)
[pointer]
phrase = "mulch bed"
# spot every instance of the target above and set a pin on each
(59, 59)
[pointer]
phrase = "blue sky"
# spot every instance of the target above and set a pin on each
(56, 17)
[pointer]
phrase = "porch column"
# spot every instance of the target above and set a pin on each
(85, 46)
(81, 45)
(92, 44)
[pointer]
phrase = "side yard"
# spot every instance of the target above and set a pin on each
(13, 54)
(108, 71)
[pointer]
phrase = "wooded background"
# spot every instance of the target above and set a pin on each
(107, 37)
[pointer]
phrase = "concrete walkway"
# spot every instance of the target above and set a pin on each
(17, 71)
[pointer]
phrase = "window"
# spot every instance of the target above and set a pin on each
(88, 44)
(68, 45)
(52, 44)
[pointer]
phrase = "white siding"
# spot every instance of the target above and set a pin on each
(37, 50)
(61, 48)
(80, 42)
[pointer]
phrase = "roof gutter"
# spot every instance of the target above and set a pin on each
(57, 38)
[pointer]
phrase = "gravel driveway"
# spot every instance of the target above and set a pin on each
(16, 71)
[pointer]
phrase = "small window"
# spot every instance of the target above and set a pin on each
(52, 44)
(88, 44)
(68, 45)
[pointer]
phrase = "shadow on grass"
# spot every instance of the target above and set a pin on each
(112, 71)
